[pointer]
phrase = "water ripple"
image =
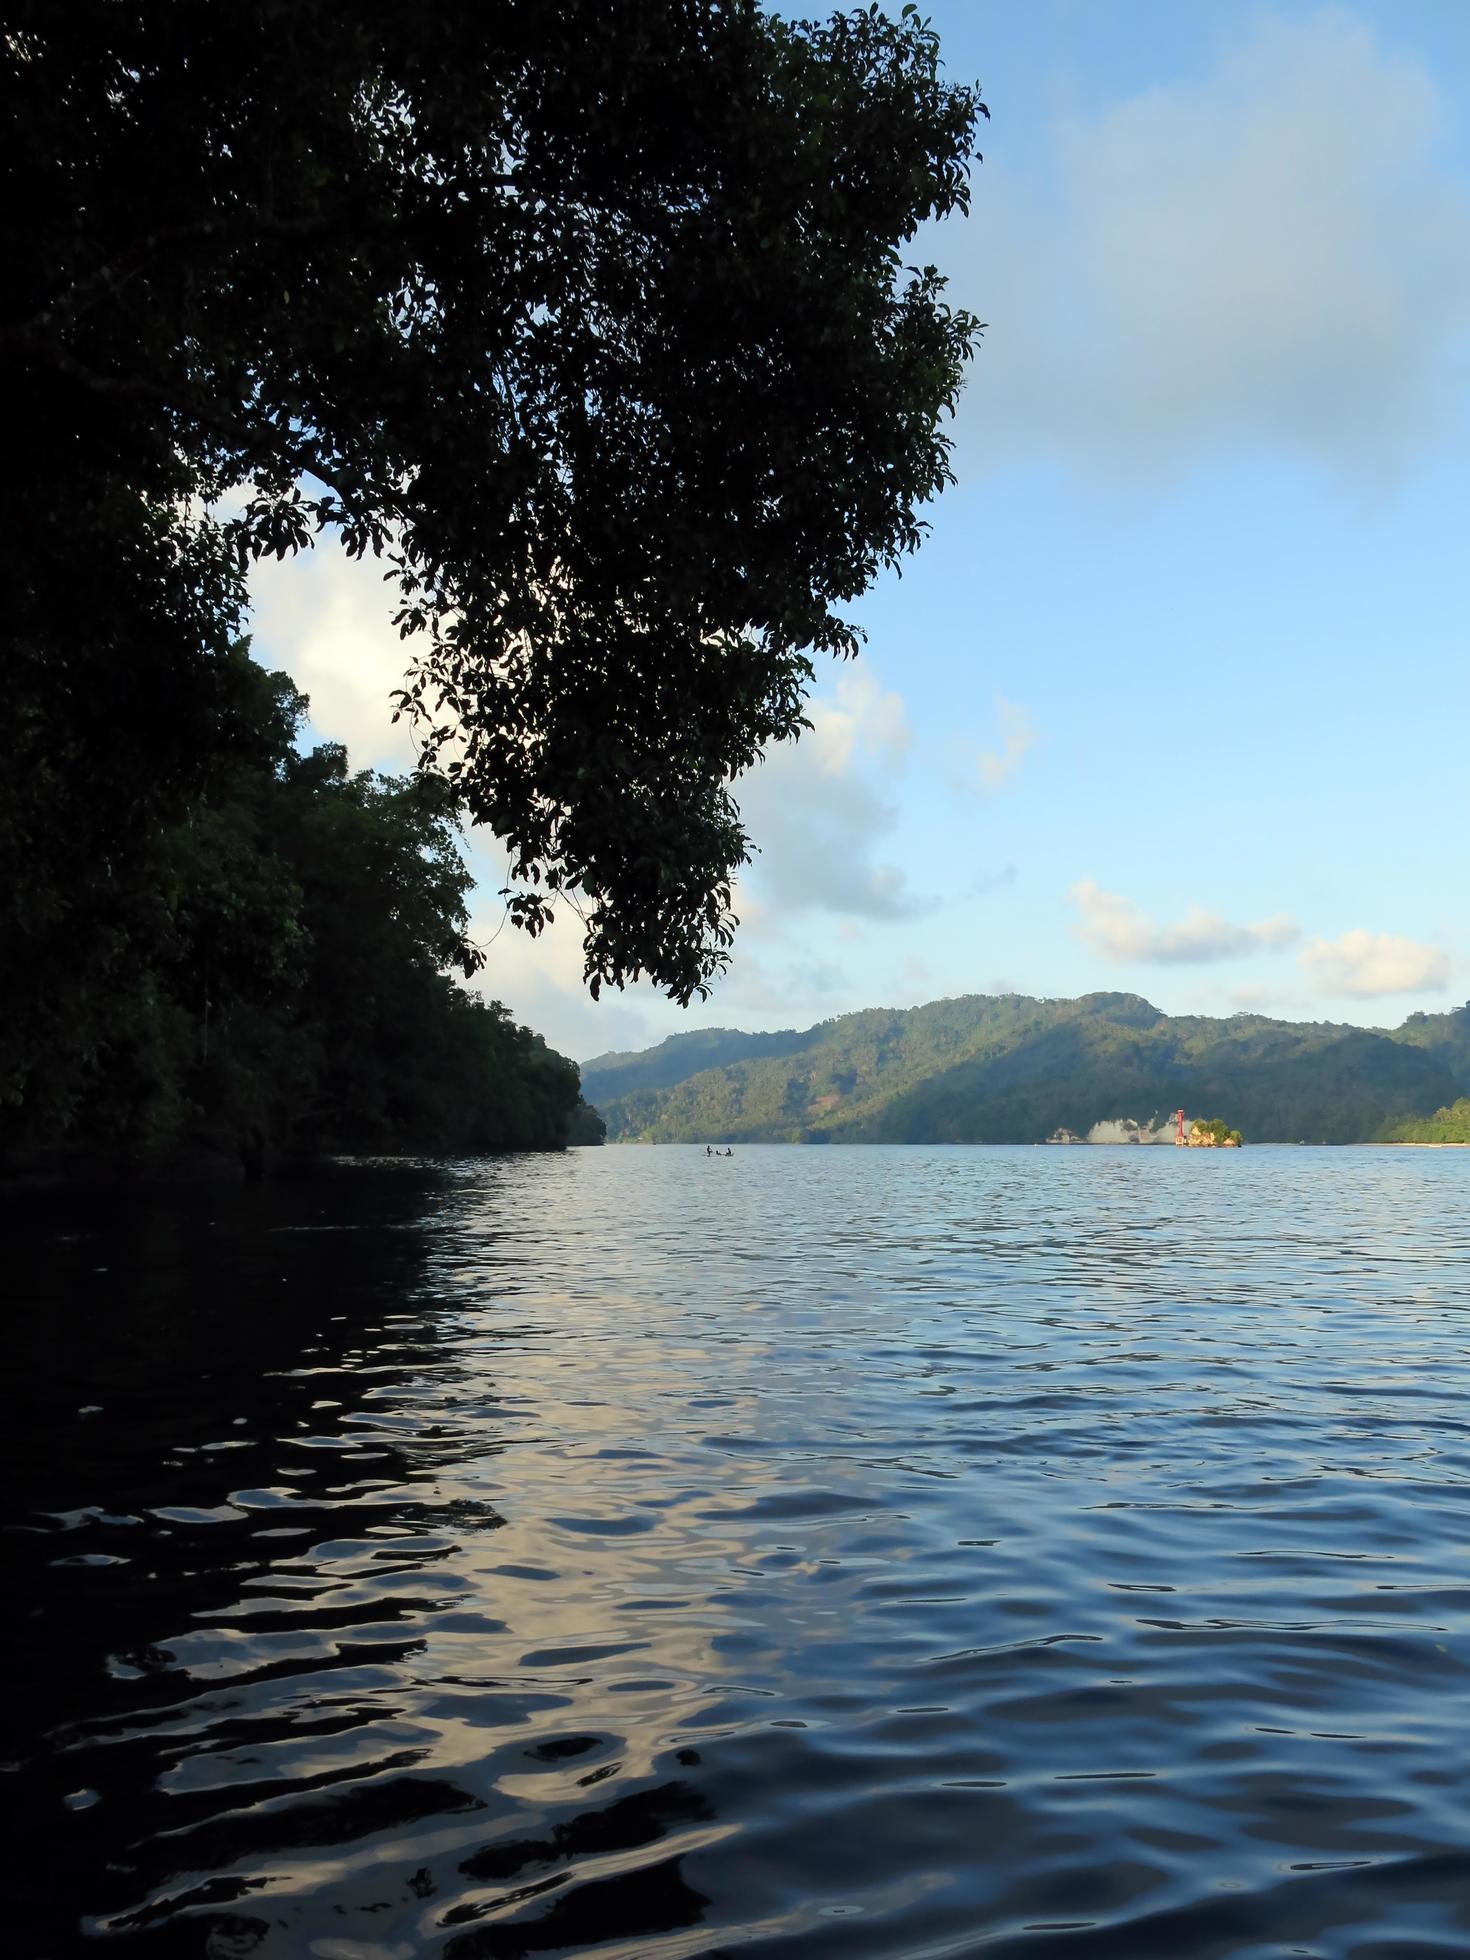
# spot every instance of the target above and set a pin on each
(895, 1553)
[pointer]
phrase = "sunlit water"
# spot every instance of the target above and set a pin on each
(827, 1552)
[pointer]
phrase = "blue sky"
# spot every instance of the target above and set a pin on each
(1175, 698)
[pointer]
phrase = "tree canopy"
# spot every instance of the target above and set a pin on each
(1448, 1125)
(279, 979)
(590, 318)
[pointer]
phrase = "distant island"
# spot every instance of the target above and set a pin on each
(1006, 1068)
(1193, 1133)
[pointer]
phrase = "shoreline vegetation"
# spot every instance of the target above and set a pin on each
(282, 982)
(1212, 1133)
(1446, 1129)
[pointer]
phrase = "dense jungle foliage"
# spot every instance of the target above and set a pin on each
(1451, 1125)
(1008, 1069)
(1446, 1035)
(592, 320)
(271, 974)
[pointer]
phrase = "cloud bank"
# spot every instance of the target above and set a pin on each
(1365, 965)
(818, 813)
(1271, 255)
(327, 619)
(1121, 931)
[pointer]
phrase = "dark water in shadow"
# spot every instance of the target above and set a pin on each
(832, 1552)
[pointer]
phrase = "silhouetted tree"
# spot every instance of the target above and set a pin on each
(589, 316)
(281, 975)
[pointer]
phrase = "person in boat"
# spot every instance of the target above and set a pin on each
(728, 1151)
(707, 1151)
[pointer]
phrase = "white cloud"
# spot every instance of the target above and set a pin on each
(1120, 930)
(1365, 964)
(859, 719)
(817, 813)
(994, 767)
(1272, 254)
(327, 620)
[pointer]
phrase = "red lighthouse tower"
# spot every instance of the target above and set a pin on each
(1178, 1127)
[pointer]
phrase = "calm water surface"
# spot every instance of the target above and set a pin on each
(816, 1553)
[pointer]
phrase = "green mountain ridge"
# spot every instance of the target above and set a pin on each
(1011, 1069)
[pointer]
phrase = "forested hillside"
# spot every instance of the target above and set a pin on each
(1444, 1126)
(683, 1055)
(1444, 1035)
(269, 972)
(1009, 1069)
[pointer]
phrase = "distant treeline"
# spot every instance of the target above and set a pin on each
(262, 967)
(1450, 1125)
(1009, 1069)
